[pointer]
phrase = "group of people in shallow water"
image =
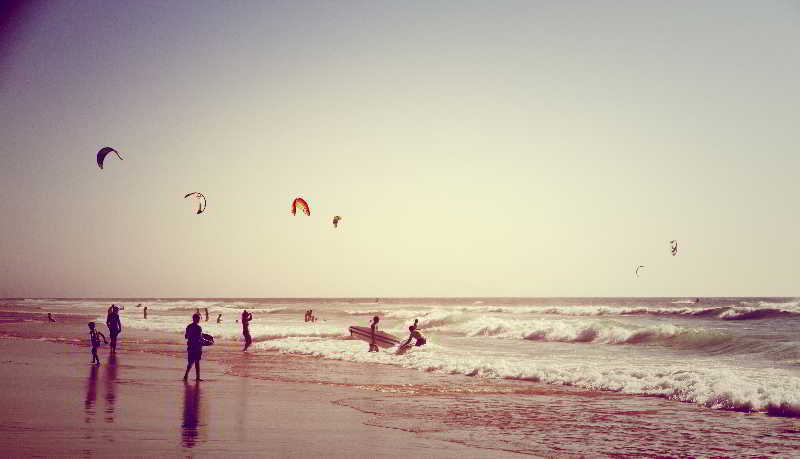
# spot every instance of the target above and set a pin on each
(195, 340)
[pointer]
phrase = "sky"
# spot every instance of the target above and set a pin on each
(489, 148)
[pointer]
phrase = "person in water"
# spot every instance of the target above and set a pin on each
(94, 339)
(194, 346)
(206, 309)
(114, 326)
(374, 327)
(50, 317)
(246, 318)
(305, 318)
(219, 319)
(414, 334)
(145, 312)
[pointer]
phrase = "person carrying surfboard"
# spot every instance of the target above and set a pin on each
(374, 327)
(194, 346)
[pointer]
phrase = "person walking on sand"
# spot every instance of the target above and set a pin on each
(50, 317)
(194, 346)
(246, 318)
(94, 339)
(374, 327)
(114, 326)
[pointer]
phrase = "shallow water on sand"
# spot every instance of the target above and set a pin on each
(545, 377)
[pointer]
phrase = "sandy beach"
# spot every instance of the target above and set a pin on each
(134, 405)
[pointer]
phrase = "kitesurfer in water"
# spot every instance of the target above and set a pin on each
(374, 327)
(114, 326)
(246, 318)
(194, 346)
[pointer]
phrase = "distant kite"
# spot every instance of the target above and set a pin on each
(674, 247)
(638, 268)
(336, 221)
(201, 201)
(302, 204)
(101, 155)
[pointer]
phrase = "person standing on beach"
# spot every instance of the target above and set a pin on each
(145, 312)
(194, 346)
(246, 318)
(94, 339)
(114, 326)
(374, 327)
(206, 309)
(219, 318)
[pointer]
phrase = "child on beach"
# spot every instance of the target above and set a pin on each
(194, 346)
(94, 339)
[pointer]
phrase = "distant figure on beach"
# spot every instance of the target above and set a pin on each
(219, 319)
(50, 318)
(206, 309)
(307, 316)
(697, 300)
(414, 334)
(246, 318)
(374, 327)
(194, 346)
(94, 339)
(139, 305)
(114, 326)
(145, 312)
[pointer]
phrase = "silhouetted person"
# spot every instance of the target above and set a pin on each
(94, 339)
(414, 334)
(114, 326)
(50, 317)
(194, 346)
(246, 318)
(145, 312)
(219, 318)
(374, 327)
(206, 309)
(308, 314)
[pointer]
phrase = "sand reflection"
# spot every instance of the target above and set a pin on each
(111, 385)
(193, 427)
(91, 395)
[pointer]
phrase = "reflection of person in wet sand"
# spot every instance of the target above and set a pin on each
(111, 385)
(194, 346)
(246, 318)
(91, 395)
(191, 415)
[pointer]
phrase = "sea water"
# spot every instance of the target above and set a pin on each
(684, 355)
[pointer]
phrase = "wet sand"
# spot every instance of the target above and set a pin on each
(135, 404)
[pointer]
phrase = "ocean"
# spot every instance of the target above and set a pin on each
(515, 372)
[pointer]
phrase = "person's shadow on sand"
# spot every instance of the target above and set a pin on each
(192, 426)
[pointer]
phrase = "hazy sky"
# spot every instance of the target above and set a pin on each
(487, 148)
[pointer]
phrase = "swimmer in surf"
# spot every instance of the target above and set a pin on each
(246, 318)
(414, 334)
(219, 319)
(194, 346)
(50, 318)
